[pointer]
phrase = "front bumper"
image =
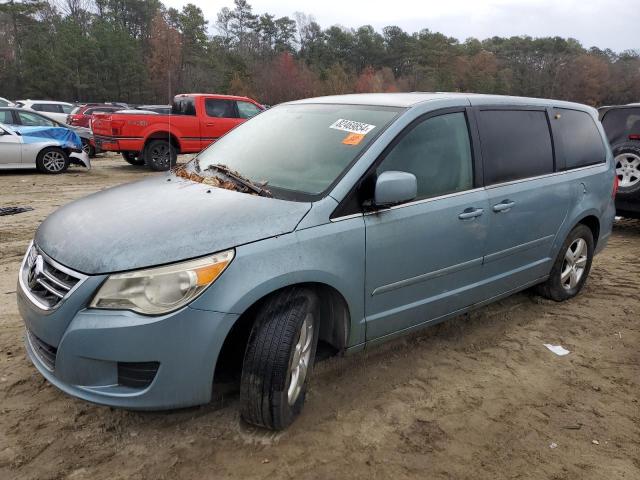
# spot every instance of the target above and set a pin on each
(185, 344)
(80, 158)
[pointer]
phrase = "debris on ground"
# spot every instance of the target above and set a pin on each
(13, 210)
(557, 349)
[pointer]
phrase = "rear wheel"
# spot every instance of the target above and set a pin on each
(160, 155)
(627, 160)
(279, 359)
(134, 158)
(571, 268)
(52, 160)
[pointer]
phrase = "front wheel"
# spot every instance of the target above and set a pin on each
(52, 160)
(279, 359)
(87, 148)
(571, 267)
(160, 155)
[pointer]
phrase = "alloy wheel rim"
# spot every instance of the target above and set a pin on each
(160, 155)
(53, 161)
(300, 359)
(628, 169)
(574, 264)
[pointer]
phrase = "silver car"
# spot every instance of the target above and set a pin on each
(49, 149)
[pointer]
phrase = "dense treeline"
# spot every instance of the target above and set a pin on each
(140, 51)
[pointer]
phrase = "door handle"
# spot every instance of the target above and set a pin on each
(471, 213)
(211, 124)
(503, 206)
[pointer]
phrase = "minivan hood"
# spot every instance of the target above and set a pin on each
(160, 220)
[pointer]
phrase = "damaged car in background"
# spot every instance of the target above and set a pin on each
(48, 149)
(321, 225)
(28, 118)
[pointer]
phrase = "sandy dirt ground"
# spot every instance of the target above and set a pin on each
(477, 397)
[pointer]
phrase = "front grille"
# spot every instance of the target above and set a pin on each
(137, 374)
(45, 352)
(46, 282)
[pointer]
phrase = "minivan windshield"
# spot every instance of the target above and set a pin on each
(297, 151)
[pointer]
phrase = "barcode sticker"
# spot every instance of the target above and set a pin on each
(352, 126)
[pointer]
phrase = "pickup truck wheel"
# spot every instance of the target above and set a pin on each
(52, 160)
(279, 359)
(627, 160)
(134, 158)
(160, 155)
(571, 268)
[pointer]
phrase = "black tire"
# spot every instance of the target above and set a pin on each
(267, 369)
(160, 155)
(52, 160)
(627, 160)
(134, 158)
(556, 287)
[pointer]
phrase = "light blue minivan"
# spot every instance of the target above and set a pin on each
(325, 225)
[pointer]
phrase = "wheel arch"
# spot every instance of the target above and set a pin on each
(334, 333)
(593, 222)
(162, 135)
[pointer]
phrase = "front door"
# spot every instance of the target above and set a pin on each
(10, 148)
(220, 116)
(424, 258)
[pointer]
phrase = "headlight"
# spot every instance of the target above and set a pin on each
(155, 291)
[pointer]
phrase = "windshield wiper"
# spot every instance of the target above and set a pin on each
(236, 177)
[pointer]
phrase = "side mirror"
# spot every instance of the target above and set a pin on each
(393, 188)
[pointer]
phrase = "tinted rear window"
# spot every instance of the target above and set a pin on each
(515, 144)
(580, 138)
(183, 106)
(619, 124)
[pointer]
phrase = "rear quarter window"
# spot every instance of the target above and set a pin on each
(581, 140)
(184, 106)
(516, 144)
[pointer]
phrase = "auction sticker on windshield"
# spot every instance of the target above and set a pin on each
(352, 126)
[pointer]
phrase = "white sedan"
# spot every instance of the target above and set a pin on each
(50, 150)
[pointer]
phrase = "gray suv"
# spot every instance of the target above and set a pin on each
(622, 126)
(323, 225)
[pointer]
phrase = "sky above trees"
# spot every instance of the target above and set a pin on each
(143, 51)
(603, 24)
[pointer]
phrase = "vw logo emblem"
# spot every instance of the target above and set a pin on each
(35, 272)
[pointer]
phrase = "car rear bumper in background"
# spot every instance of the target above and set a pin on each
(122, 359)
(628, 208)
(118, 144)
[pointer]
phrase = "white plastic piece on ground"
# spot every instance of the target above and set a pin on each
(557, 349)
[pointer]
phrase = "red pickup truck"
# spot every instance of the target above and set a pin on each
(196, 120)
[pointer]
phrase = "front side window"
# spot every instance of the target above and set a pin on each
(580, 138)
(218, 108)
(438, 152)
(67, 108)
(298, 150)
(247, 109)
(35, 120)
(516, 144)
